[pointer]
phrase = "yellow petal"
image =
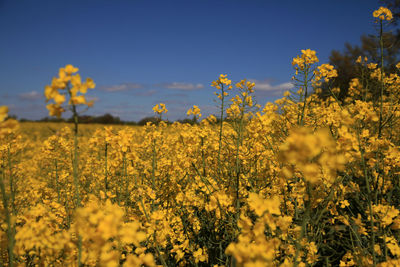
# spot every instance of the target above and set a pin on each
(3, 113)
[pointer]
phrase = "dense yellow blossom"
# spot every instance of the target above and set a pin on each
(302, 181)
(67, 85)
(160, 108)
(383, 13)
(6, 126)
(195, 111)
(307, 58)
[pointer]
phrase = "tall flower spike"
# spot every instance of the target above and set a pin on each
(75, 89)
(160, 108)
(383, 13)
(195, 111)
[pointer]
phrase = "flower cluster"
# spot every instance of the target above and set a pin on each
(6, 126)
(383, 13)
(304, 181)
(307, 58)
(195, 111)
(313, 154)
(244, 83)
(67, 84)
(160, 108)
(223, 83)
(326, 72)
(105, 234)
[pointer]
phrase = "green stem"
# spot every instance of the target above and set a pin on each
(301, 122)
(154, 235)
(75, 172)
(57, 182)
(153, 166)
(304, 223)
(75, 162)
(221, 118)
(10, 228)
(126, 180)
(106, 169)
(238, 144)
(203, 157)
(372, 245)
(382, 81)
(12, 189)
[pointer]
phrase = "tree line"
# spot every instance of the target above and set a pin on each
(105, 119)
(344, 60)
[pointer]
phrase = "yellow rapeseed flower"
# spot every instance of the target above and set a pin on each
(383, 13)
(160, 108)
(3, 113)
(73, 86)
(307, 58)
(55, 110)
(195, 111)
(69, 69)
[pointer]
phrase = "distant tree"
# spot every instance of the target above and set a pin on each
(394, 6)
(12, 116)
(130, 123)
(345, 61)
(52, 119)
(104, 119)
(190, 121)
(145, 120)
(108, 119)
(83, 119)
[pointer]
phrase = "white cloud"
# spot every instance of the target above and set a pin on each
(182, 86)
(121, 87)
(92, 98)
(33, 95)
(266, 85)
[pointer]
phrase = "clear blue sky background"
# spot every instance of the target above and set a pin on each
(142, 52)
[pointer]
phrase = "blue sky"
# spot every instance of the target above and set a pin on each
(143, 52)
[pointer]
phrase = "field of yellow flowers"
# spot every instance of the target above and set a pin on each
(303, 181)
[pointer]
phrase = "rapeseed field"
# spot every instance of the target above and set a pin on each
(309, 180)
